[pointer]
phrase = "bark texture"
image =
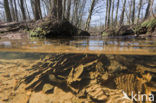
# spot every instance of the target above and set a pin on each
(7, 11)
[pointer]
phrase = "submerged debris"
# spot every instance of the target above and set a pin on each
(88, 77)
(75, 74)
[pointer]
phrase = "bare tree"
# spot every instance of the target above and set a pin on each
(90, 15)
(117, 9)
(109, 10)
(151, 8)
(53, 8)
(7, 11)
(22, 9)
(36, 9)
(133, 12)
(139, 10)
(64, 8)
(39, 8)
(122, 13)
(16, 11)
(12, 10)
(68, 9)
(47, 4)
(75, 16)
(59, 9)
(106, 14)
(27, 10)
(147, 10)
(56, 10)
(130, 12)
(81, 12)
(112, 15)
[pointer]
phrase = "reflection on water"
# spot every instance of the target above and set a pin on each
(6, 44)
(83, 45)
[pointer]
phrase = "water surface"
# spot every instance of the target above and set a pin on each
(94, 45)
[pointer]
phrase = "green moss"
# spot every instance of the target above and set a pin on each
(137, 28)
(105, 34)
(149, 23)
(38, 32)
(146, 26)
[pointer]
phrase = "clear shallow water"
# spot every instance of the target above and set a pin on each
(100, 56)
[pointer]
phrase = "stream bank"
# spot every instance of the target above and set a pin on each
(45, 28)
(146, 28)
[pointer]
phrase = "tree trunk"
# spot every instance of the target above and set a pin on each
(73, 11)
(139, 10)
(151, 8)
(147, 10)
(33, 7)
(123, 12)
(59, 9)
(12, 10)
(39, 8)
(76, 12)
(130, 13)
(22, 9)
(36, 9)
(90, 15)
(68, 9)
(133, 12)
(106, 17)
(27, 10)
(7, 11)
(16, 12)
(116, 17)
(47, 4)
(112, 15)
(56, 10)
(109, 10)
(64, 8)
(81, 13)
(53, 8)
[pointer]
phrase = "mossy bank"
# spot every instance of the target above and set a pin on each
(146, 28)
(51, 27)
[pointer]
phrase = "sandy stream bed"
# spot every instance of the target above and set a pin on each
(11, 71)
